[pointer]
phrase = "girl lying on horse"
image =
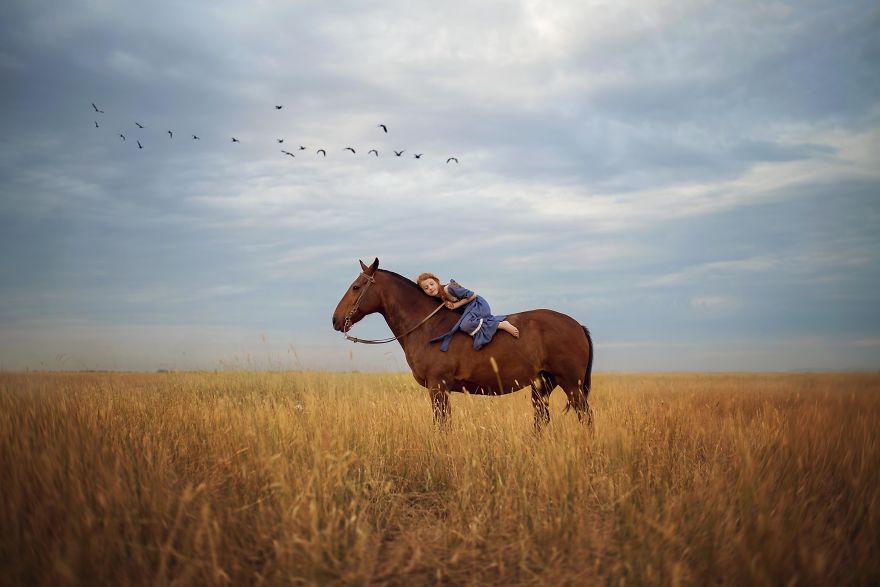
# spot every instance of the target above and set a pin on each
(477, 319)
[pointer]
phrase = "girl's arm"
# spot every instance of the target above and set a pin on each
(460, 303)
(467, 300)
(464, 295)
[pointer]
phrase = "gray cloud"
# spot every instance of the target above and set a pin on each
(675, 172)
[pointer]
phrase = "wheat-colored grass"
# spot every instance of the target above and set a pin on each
(316, 478)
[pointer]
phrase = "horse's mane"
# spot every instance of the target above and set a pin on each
(407, 281)
(414, 285)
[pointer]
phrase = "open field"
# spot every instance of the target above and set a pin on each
(291, 478)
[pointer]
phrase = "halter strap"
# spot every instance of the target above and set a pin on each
(370, 281)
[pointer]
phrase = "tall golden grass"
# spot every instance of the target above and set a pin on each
(316, 478)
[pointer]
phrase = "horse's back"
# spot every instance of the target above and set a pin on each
(549, 324)
(556, 337)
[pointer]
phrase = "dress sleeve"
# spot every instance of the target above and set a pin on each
(458, 291)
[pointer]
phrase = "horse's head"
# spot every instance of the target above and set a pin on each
(359, 299)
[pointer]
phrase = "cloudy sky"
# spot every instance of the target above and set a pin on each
(695, 181)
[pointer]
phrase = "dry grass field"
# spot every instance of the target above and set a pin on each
(319, 478)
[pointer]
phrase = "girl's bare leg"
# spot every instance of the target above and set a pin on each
(508, 327)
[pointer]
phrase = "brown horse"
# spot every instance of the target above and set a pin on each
(552, 349)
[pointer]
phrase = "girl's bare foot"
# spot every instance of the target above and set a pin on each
(508, 327)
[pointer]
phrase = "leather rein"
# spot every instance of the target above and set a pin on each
(354, 308)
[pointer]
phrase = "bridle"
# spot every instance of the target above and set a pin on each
(370, 281)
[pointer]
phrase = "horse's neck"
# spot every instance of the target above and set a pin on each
(403, 307)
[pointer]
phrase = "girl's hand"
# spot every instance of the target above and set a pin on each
(451, 305)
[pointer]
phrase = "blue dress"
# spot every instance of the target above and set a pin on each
(477, 319)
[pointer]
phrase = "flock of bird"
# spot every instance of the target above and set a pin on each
(321, 152)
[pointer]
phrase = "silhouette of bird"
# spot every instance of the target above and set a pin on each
(349, 149)
(452, 159)
(96, 109)
(373, 151)
(383, 127)
(301, 148)
(399, 153)
(235, 140)
(321, 151)
(418, 155)
(140, 146)
(96, 124)
(279, 107)
(288, 153)
(195, 138)
(280, 140)
(122, 135)
(170, 135)
(139, 125)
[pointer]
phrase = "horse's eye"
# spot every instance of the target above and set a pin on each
(355, 287)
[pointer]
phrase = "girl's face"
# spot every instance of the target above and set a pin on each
(430, 287)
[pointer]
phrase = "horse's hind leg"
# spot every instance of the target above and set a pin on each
(542, 386)
(578, 399)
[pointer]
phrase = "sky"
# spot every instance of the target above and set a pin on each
(696, 182)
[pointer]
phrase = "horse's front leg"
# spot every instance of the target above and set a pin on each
(439, 402)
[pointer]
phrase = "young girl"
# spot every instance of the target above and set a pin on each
(477, 319)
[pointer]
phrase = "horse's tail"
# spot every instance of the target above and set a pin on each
(588, 375)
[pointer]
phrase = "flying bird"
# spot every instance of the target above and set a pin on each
(373, 151)
(301, 148)
(279, 107)
(280, 140)
(452, 159)
(122, 135)
(383, 127)
(399, 153)
(418, 155)
(349, 149)
(195, 138)
(321, 151)
(288, 153)
(96, 124)
(170, 135)
(139, 125)
(235, 140)
(140, 146)
(96, 109)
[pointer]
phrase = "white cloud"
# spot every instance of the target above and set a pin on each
(762, 183)
(168, 295)
(714, 269)
(717, 302)
(871, 343)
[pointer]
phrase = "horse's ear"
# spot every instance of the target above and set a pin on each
(372, 268)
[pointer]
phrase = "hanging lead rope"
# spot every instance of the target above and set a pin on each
(354, 308)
